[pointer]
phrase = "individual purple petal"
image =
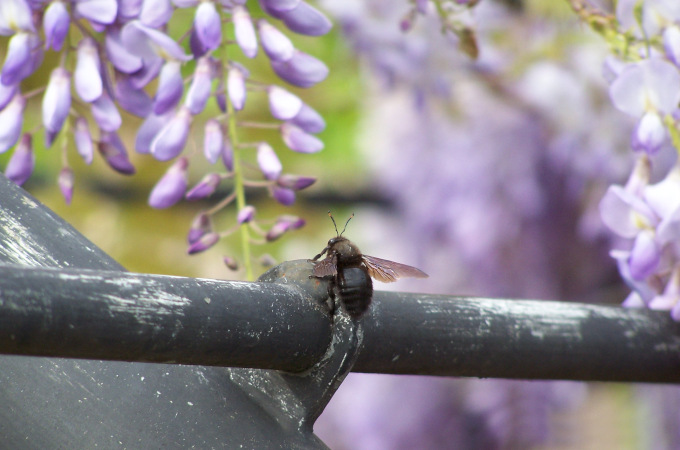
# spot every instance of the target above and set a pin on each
(199, 91)
(650, 134)
(236, 87)
(196, 46)
(283, 195)
(6, 94)
(15, 15)
(246, 214)
(208, 25)
(106, 114)
(295, 182)
(204, 188)
(299, 141)
(199, 226)
(228, 155)
(148, 43)
(118, 55)
(275, 7)
(185, 3)
(244, 31)
(170, 88)
(129, 9)
(149, 71)
(83, 140)
(155, 13)
(644, 257)
(101, 11)
(17, 59)
(301, 70)
(276, 45)
(55, 24)
(230, 262)
(171, 139)
(65, 182)
(612, 67)
(134, 101)
(171, 187)
(649, 83)
(309, 120)
(618, 209)
(268, 161)
(213, 141)
(203, 243)
(112, 149)
(11, 121)
(87, 78)
(146, 133)
(305, 19)
(671, 43)
(282, 104)
(21, 164)
(57, 100)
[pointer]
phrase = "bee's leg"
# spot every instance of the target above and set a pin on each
(320, 254)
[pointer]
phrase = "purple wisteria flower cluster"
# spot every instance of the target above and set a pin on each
(644, 76)
(118, 55)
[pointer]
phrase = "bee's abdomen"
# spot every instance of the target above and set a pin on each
(356, 290)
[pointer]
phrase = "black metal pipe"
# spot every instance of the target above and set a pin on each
(480, 337)
(133, 317)
(153, 318)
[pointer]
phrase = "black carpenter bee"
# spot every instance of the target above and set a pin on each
(351, 272)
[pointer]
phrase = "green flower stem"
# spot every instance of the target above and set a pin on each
(239, 189)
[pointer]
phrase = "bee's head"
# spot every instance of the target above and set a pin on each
(336, 240)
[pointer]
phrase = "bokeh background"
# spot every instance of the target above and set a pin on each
(485, 173)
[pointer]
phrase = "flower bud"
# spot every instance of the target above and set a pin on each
(213, 141)
(106, 113)
(282, 104)
(133, 100)
(200, 88)
(146, 133)
(171, 187)
(267, 260)
(83, 140)
(305, 19)
(309, 120)
(230, 262)
(268, 161)
(57, 100)
(99, 11)
(205, 188)
(299, 141)
(112, 149)
(246, 214)
(283, 195)
(170, 88)
(199, 226)
(301, 70)
(17, 60)
(149, 43)
(295, 182)
(228, 155)
(11, 121)
(120, 57)
(7, 94)
(208, 26)
(22, 162)
(203, 243)
(171, 139)
(236, 87)
(276, 45)
(88, 79)
(277, 230)
(244, 31)
(649, 134)
(55, 24)
(65, 182)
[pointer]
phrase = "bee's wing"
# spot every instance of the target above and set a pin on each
(389, 271)
(326, 267)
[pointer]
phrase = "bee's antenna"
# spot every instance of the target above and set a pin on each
(334, 224)
(350, 218)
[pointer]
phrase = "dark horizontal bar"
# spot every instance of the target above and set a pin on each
(479, 337)
(115, 315)
(152, 318)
